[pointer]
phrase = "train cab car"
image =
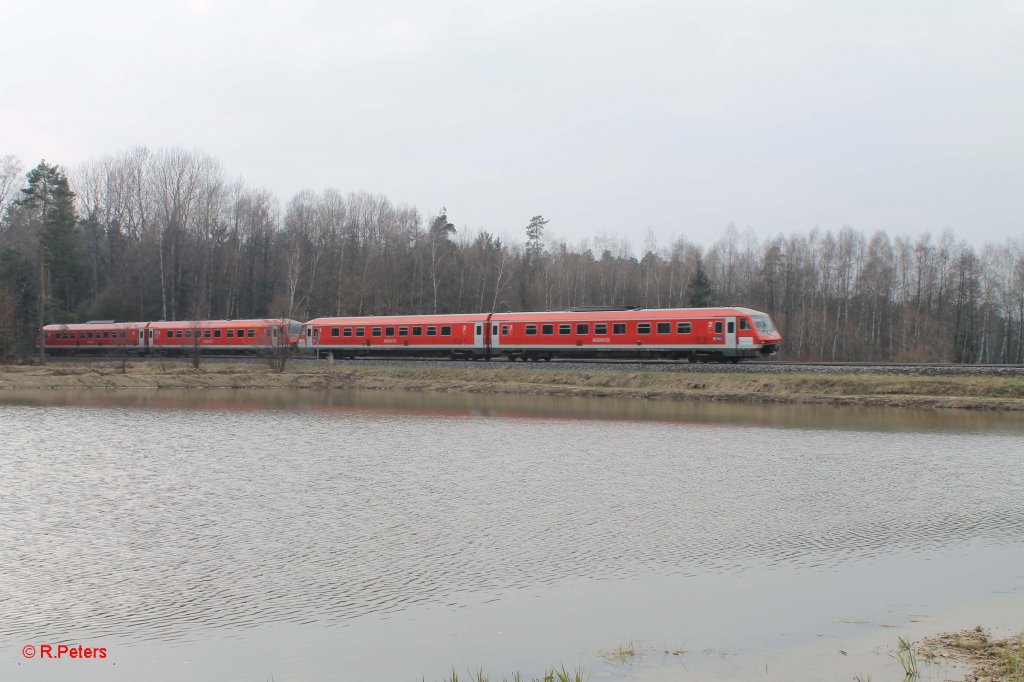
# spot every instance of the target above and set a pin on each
(92, 338)
(211, 337)
(454, 336)
(696, 334)
(765, 337)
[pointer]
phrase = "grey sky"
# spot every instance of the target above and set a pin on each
(605, 117)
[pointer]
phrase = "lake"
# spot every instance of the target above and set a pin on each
(301, 536)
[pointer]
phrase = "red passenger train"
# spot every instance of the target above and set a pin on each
(695, 334)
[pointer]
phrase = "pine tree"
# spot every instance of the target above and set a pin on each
(699, 291)
(51, 205)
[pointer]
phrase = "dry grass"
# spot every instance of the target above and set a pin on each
(996, 660)
(979, 392)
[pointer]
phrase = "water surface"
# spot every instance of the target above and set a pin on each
(308, 536)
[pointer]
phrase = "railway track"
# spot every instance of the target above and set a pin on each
(752, 366)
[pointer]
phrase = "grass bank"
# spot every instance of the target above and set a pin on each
(991, 659)
(956, 392)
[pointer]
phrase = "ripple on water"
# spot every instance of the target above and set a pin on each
(156, 524)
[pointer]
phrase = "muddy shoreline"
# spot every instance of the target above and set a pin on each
(947, 392)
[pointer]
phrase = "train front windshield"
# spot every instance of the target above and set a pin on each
(764, 324)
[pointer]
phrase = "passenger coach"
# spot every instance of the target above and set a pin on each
(221, 336)
(455, 336)
(92, 338)
(695, 334)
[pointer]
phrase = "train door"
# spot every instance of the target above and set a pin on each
(143, 338)
(478, 335)
(497, 331)
(730, 332)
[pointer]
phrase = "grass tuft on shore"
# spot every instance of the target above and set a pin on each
(559, 674)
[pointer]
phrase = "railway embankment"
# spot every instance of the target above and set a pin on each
(978, 392)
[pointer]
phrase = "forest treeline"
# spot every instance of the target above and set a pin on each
(150, 235)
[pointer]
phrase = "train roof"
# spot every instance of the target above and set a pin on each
(453, 318)
(164, 324)
(632, 314)
(204, 324)
(85, 326)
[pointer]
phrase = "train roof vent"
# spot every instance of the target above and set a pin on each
(102, 322)
(601, 308)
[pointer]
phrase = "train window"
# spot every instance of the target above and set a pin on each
(216, 333)
(376, 331)
(206, 333)
(403, 331)
(446, 331)
(743, 324)
(335, 331)
(431, 331)
(619, 328)
(188, 333)
(643, 327)
(531, 330)
(479, 329)
(252, 333)
(231, 333)
(731, 327)
(547, 329)
(348, 331)
(504, 330)
(718, 327)
(106, 335)
(360, 331)
(179, 334)
(583, 329)
(683, 328)
(565, 329)
(664, 327)
(494, 329)
(389, 331)
(417, 331)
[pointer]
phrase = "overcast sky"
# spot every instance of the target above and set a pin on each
(605, 117)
